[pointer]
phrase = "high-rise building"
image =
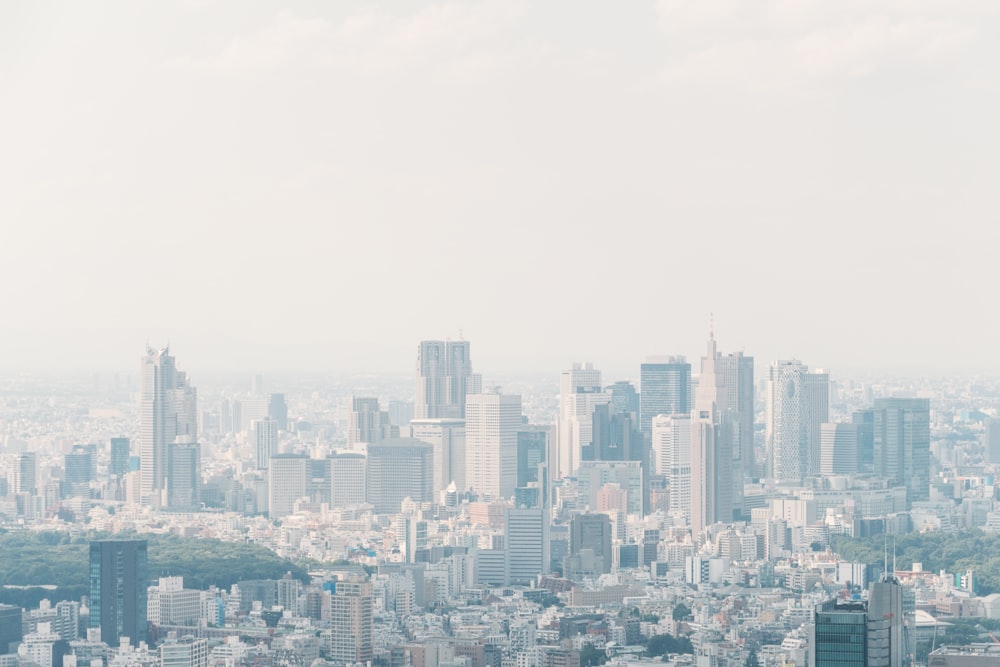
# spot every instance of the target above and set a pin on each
(184, 476)
(864, 422)
(902, 444)
(788, 422)
(265, 440)
(625, 399)
(579, 392)
(870, 633)
(447, 439)
(991, 440)
(399, 468)
(672, 458)
(119, 574)
(614, 436)
(838, 449)
(348, 479)
(491, 423)
(120, 451)
(592, 531)
(26, 478)
(533, 443)
(11, 630)
(628, 475)
(817, 390)
(664, 389)
(735, 373)
(444, 379)
(368, 423)
(526, 541)
(287, 478)
(277, 410)
(351, 622)
(167, 409)
(78, 470)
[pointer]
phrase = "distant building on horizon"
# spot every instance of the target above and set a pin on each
(167, 409)
(444, 378)
(664, 389)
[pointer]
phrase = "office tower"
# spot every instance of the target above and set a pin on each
(864, 422)
(368, 423)
(184, 476)
(526, 541)
(415, 530)
(119, 575)
(671, 437)
(447, 440)
(119, 456)
(592, 531)
(286, 483)
(167, 409)
(401, 412)
(78, 469)
(625, 399)
(351, 622)
(265, 439)
(788, 422)
(248, 410)
(868, 633)
(991, 440)
(735, 373)
(840, 635)
(817, 390)
(444, 379)
(579, 392)
(614, 436)
(348, 479)
(664, 389)
(902, 444)
(628, 475)
(277, 410)
(26, 478)
(491, 424)
(399, 468)
(11, 630)
(184, 652)
(838, 449)
(533, 443)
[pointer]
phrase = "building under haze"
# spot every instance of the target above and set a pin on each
(797, 404)
(444, 378)
(447, 439)
(902, 443)
(491, 425)
(579, 392)
(399, 468)
(167, 409)
(119, 575)
(352, 620)
(184, 476)
(664, 389)
(368, 422)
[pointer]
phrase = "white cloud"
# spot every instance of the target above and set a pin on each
(776, 43)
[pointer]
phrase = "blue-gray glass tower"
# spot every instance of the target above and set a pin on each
(119, 574)
(664, 389)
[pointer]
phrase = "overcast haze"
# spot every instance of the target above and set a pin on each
(321, 185)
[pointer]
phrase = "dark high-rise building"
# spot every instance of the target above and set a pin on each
(184, 477)
(26, 480)
(624, 398)
(614, 437)
(118, 579)
(11, 631)
(78, 471)
(444, 378)
(864, 421)
(532, 446)
(592, 531)
(665, 389)
(278, 410)
(840, 635)
(869, 633)
(119, 456)
(902, 444)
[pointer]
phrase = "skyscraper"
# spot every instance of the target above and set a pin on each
(444, 378)
(287, 476)
(735, 373)
(862, 633)
(902, 444)
(265, 440)
(838, 449)
(167, 409)
(447, 439)
(119, 575)
(348, 479)
(399, 468)
(788, 422)
(368, 422)
(26, 480)
(817, 390)
(672, 458)
(184, 476)
(351, 621)
(526, 541)
(664, 389)
(491, 424)
(579, 392)
(277, 410)
(120, 451)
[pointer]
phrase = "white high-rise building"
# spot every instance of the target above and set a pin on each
(526, 542)
(447, 437)
(672, 458)
(838, 449)
(491, 423)
(580, 392)
(286, 483)
(265, 438)
(368, 423)
(348, 479)
(797, 403)
(167, 409)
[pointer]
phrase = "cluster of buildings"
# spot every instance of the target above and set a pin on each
(474, 526)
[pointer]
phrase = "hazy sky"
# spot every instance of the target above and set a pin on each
(323, 184)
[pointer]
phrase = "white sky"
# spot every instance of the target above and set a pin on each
(323, 184)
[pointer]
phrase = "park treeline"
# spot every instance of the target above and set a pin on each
(954, 552)
(59, 559)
